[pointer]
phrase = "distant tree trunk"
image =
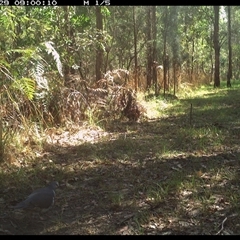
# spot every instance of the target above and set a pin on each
(135, 51)
(192, 62)
(216, 47)
(99, 52)
(175, 45)
(154, 53)
(149, 49)
(66, 26)
(229, 74)
(165, 55)
(69, 32)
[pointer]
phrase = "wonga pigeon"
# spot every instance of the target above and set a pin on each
(42, 198)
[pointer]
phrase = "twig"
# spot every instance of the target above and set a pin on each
(126, 219)
(225, 219)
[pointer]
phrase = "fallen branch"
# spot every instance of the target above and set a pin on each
(126, 219)
(225, 219)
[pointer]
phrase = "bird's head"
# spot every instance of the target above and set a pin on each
(54, 185)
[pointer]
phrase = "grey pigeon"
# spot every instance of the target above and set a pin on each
(42, 198)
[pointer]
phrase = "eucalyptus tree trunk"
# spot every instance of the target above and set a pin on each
(165, 55)
(154, 50)
(175, 45)
(229, 74)
(66, 33)
(135, 52)
(99, 51)
(149, 48)
(216, 47)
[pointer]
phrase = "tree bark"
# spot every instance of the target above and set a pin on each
(216, 47)
(229, 74)
(135, 52)
(99, 51)
(149, 49)
(165, 55)
(174, 45)
(154, 50)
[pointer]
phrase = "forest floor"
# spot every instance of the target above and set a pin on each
(178, 173)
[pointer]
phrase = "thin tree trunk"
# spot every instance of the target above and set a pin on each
(149, 49)
(135, 52)
(229, 74)
(174, 44)
(99, 52)
(154, 53)
(165, 55)
(216, 47)
(66, 30)
(192, 61)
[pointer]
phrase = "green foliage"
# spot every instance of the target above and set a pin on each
(81, 19)
(26, 86)
(23, 27)
(41, 45)
(105, 11)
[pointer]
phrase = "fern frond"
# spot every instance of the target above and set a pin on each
(56, 57)
(37, 72)
(26, 86)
